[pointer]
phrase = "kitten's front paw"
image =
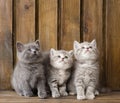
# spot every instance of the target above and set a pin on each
(42, 95)
(90, 96)
(56, 95)
(81, 97)
(64, 93)
(28, 94)
(97, 92)
(20, 93)
(72, 93)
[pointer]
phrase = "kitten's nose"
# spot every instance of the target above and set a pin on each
(88, 48)
(34, 52)
(62, 59)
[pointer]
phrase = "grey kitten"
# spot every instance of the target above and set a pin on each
(59, 71)
(29, 71)
(85, 76)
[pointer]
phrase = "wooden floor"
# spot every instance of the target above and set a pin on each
(12, 97)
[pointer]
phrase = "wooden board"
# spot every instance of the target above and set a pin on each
(48, 24)
(12, 97)
(92, 28)
(6, 59)
(70, 23)
(113, 43)
(24, 20)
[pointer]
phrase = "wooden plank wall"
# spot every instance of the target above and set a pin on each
(70, 23)
(57, 23)
(6, 55)
(48, 23)
(113, 43)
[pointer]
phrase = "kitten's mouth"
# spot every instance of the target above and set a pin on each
(87, 51)
(34, 56)
(62, 61)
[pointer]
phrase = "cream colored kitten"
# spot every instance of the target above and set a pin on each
(59, 71)
(86, 72)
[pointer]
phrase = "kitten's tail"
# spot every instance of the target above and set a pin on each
(103, 90)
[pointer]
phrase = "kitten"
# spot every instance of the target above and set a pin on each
(85, 76)
(29, 71)
(59, 71)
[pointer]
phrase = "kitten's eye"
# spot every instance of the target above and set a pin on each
(59, 56)
(37, 49)
(83, 47)
(66, 57)
(90, 47)
(29, 49)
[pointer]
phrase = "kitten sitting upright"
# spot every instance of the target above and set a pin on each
(59, 71)
(29, 71)
(85, 79)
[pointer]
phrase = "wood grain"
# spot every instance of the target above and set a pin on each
(92, 28)
(6, 59)
(113, 43)
(25, 20)
(70, 23)
(48, 24)
(57, 24)
(12, 97)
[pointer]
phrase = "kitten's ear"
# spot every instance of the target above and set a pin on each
(94, 43)
(71, 52)
(76, 45)
(37, 42)
(20, 46)
(52, 51)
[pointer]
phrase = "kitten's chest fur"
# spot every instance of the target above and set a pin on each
(87, 72)
(32, 72)
(62, 76)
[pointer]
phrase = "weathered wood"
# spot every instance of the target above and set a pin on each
(48, 24)
(6, 59)
(57, 24)
(113, 43)
(70, 23)
(12, 97)
(92, 28)
(25, 20)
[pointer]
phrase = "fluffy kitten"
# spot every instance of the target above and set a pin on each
(59, 71)
(29, 71)
(85, 76)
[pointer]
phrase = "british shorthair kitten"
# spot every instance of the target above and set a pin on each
(59, 71)
(29, 71)
(85, 78)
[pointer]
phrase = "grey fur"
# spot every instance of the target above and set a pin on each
(59, 71)
(29, 71)
(85, 78)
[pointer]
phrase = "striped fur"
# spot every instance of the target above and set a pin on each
(84, 80)
(59, 71)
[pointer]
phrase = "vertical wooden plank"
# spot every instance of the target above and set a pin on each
(25, 20)
(92, 27)
(113, 43)
(48, 23)
(70, 23)
(92, 20)
(6, 62)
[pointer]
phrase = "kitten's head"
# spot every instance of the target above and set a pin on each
(85, 50)
(29, 53)
(61, 59)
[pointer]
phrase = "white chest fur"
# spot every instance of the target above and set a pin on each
(87, 72)
(63, 76)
